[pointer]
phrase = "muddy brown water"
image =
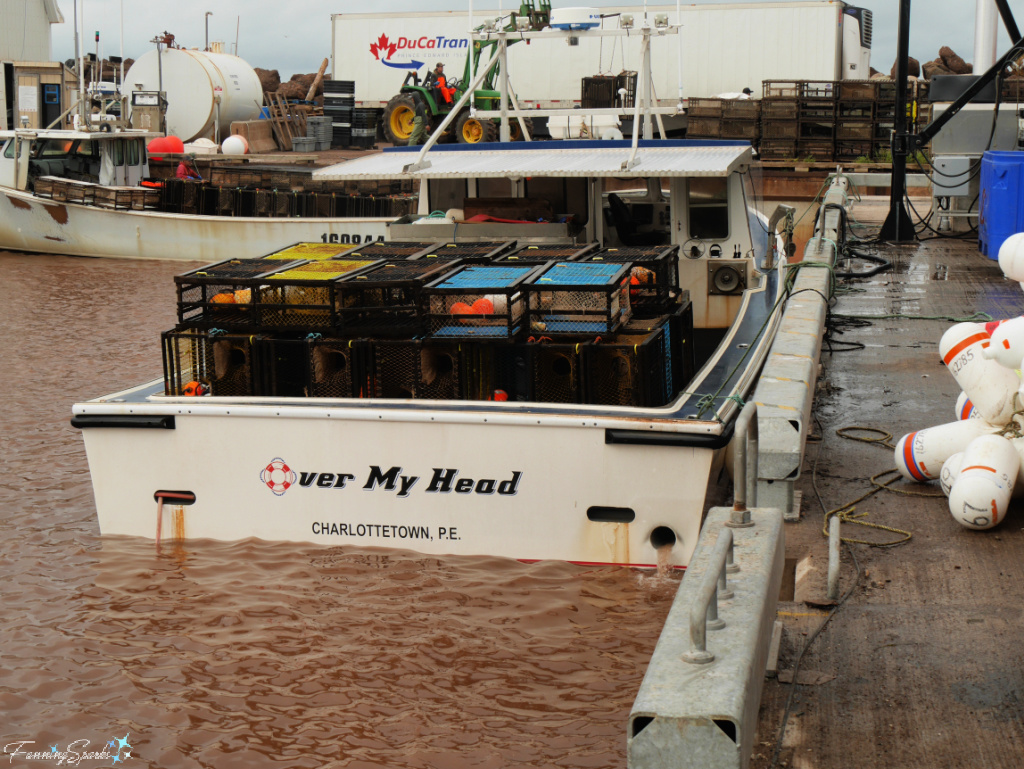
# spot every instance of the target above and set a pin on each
(255, 653)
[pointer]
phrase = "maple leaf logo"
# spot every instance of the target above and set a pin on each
(383, 46)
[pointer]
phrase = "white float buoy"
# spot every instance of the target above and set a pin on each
(981, 493)
(965, 409)
(920, 455)
(1006, 345)
(1011, 257)
(951, 471)
(991, 387)
(235, 145)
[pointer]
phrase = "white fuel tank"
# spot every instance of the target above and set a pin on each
(192, 81)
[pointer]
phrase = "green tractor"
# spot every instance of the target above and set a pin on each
(429, 103)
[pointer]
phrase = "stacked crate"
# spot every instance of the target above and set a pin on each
(339, 103)
(724, 119)
(704, 118)
(859, 112)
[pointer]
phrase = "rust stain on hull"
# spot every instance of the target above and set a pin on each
(59, 214)
(20, 204)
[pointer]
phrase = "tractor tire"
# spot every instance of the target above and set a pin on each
(474, 130)
(398, 118)
(515, 131)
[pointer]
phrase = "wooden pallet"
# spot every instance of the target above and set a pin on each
(285, 122)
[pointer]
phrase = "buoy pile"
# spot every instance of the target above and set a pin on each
(977, 459)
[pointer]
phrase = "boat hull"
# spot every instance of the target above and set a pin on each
(28, 223)
(524, 486)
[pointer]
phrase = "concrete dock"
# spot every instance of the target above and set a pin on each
(921, 663)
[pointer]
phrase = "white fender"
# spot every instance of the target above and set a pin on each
(1011, 257)
(992, 388)
(981, 493)
(1006, 345)
(951, 471)
(920, 455)
(965, 409)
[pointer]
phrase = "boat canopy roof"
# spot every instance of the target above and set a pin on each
(587, 158)
(72, 135)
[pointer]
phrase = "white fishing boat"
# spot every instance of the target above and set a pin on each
(528, 478)
(81, 193)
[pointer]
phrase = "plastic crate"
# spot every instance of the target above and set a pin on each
(780, 129)
(784, 109)
(385, 300)
(703, 107)
(653, 274)
(543, 254)
(477, 301)
(422, 369)
(301, 297)
(226, 364)
(740, 129)
(677, 324)
(744, 109)
(857, 90)
(578, 298)
(220, 295)
(468, 252)
(707, 127)
(777, 149)
(597, 92)
(784, 89)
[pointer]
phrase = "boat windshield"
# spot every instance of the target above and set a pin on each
(53, 148)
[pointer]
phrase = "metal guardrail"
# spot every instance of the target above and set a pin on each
(698, 703)
(785, 389)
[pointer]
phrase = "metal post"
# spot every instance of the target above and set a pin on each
(503, 134)
(898, 228)
(704, 610)
(206, 19)
(744, 459)
(833, 558)
(648, 126)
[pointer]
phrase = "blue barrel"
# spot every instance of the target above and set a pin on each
(1001, 207)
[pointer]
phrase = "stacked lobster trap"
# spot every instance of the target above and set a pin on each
(438, 321)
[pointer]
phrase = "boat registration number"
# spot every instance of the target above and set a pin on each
(345, 237)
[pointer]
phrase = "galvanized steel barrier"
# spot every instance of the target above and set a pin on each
(698, 703)
(785, 390)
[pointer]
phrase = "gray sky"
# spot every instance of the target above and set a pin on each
(294, 36)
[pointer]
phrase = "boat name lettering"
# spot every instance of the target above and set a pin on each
(443, 480)
(380, 530)
(347, 238)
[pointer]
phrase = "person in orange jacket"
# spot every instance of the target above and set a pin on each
(435, 79)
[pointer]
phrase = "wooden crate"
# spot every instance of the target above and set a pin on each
(744, 109)
(740, 129)
(777, 149)
(780, 129)
(707, 127)
(786, 109)
(858, 90)
(855, 130)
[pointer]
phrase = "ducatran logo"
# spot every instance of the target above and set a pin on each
(277, 476)
(383, 48)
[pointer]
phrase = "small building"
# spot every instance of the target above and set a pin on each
(25, 37)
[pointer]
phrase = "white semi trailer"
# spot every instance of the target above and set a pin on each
(725, 48)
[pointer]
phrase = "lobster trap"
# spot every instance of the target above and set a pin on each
(653, 274)
(495, 371)
(384, 300)
(220, 295)
(301, 297)
(476, 301)
(392, 249)
(544, 254)
(578, 298)
(555, 370)
(310, 251)
(225, 364)
(338, 368)
(422, 369)
(629, 369)
(468, 253)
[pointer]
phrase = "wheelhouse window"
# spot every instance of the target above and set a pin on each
(708, 207)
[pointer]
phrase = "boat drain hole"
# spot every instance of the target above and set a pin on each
(610, 514)
(662, 536)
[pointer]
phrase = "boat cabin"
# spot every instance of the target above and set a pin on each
(108, 158)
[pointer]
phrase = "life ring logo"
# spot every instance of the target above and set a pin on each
(277, 476)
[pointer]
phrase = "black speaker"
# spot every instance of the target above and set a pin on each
(727, 277)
